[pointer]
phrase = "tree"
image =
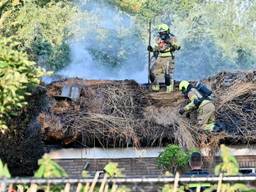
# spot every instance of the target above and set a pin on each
(27, 42)
(45, 40)
(18, 75)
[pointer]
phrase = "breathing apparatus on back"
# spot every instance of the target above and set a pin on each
(204, 90)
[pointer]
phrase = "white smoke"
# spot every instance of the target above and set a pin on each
(107, 46)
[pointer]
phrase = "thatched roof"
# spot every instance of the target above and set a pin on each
(124, 113)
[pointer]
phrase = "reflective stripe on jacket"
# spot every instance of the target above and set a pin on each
(165, 48)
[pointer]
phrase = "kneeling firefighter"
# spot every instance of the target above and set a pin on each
(200, 99)
(163, 65)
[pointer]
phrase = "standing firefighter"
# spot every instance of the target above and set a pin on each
(199, 97)
(163, 66)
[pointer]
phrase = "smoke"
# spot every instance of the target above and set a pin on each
(107, 46)
(199, 60)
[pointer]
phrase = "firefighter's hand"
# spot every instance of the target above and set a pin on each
(150, 48)
(178, 48)
(181, 111)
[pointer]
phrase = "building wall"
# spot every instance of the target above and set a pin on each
(129, 166)
(136, 166)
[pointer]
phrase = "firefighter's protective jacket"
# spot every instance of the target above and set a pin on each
(194, 96)
(165, 48)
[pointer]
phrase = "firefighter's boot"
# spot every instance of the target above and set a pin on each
(155, 87)
(170, 88)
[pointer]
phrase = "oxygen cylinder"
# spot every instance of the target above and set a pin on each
(203, 89)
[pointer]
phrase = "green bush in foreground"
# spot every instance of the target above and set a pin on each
(172, 158)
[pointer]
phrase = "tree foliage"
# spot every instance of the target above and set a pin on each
(43, 36)
(17, 75)
(32, 32)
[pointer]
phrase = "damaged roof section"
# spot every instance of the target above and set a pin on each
(124, 113)
(71, 92)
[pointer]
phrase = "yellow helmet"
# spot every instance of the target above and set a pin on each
(183, 86)
(163, 27)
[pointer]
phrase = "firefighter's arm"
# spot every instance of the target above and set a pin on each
(155, 47)
(190, 106)
(174, 44)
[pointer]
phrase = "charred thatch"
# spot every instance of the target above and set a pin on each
(236, 106)
(124, 113)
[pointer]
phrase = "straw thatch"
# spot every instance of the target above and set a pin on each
(124, 113)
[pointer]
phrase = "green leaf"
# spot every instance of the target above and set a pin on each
(49, 168)
(4, 171)
(240, 187)
(40, 172)
(229, 165)
(112, 169)
(3, 64)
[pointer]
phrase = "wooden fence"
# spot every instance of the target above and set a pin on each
(102, 182)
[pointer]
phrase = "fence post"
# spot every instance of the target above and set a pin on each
(219, 182)
(198, 188)
(20, 188)
(103, 182)
(106, 188)
(67, 187)
(176, 182)
(32, 188)
(95, 180)
(114, 187)
(86, 188)
(79, 187)
(48, 188)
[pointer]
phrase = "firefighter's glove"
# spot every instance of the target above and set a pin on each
(150, 48)
(155, 54)
(178, 48)
(181, 111)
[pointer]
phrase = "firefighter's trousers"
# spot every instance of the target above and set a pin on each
(206, 116)
(161, 68)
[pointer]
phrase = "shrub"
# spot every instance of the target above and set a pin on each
(173, 158)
